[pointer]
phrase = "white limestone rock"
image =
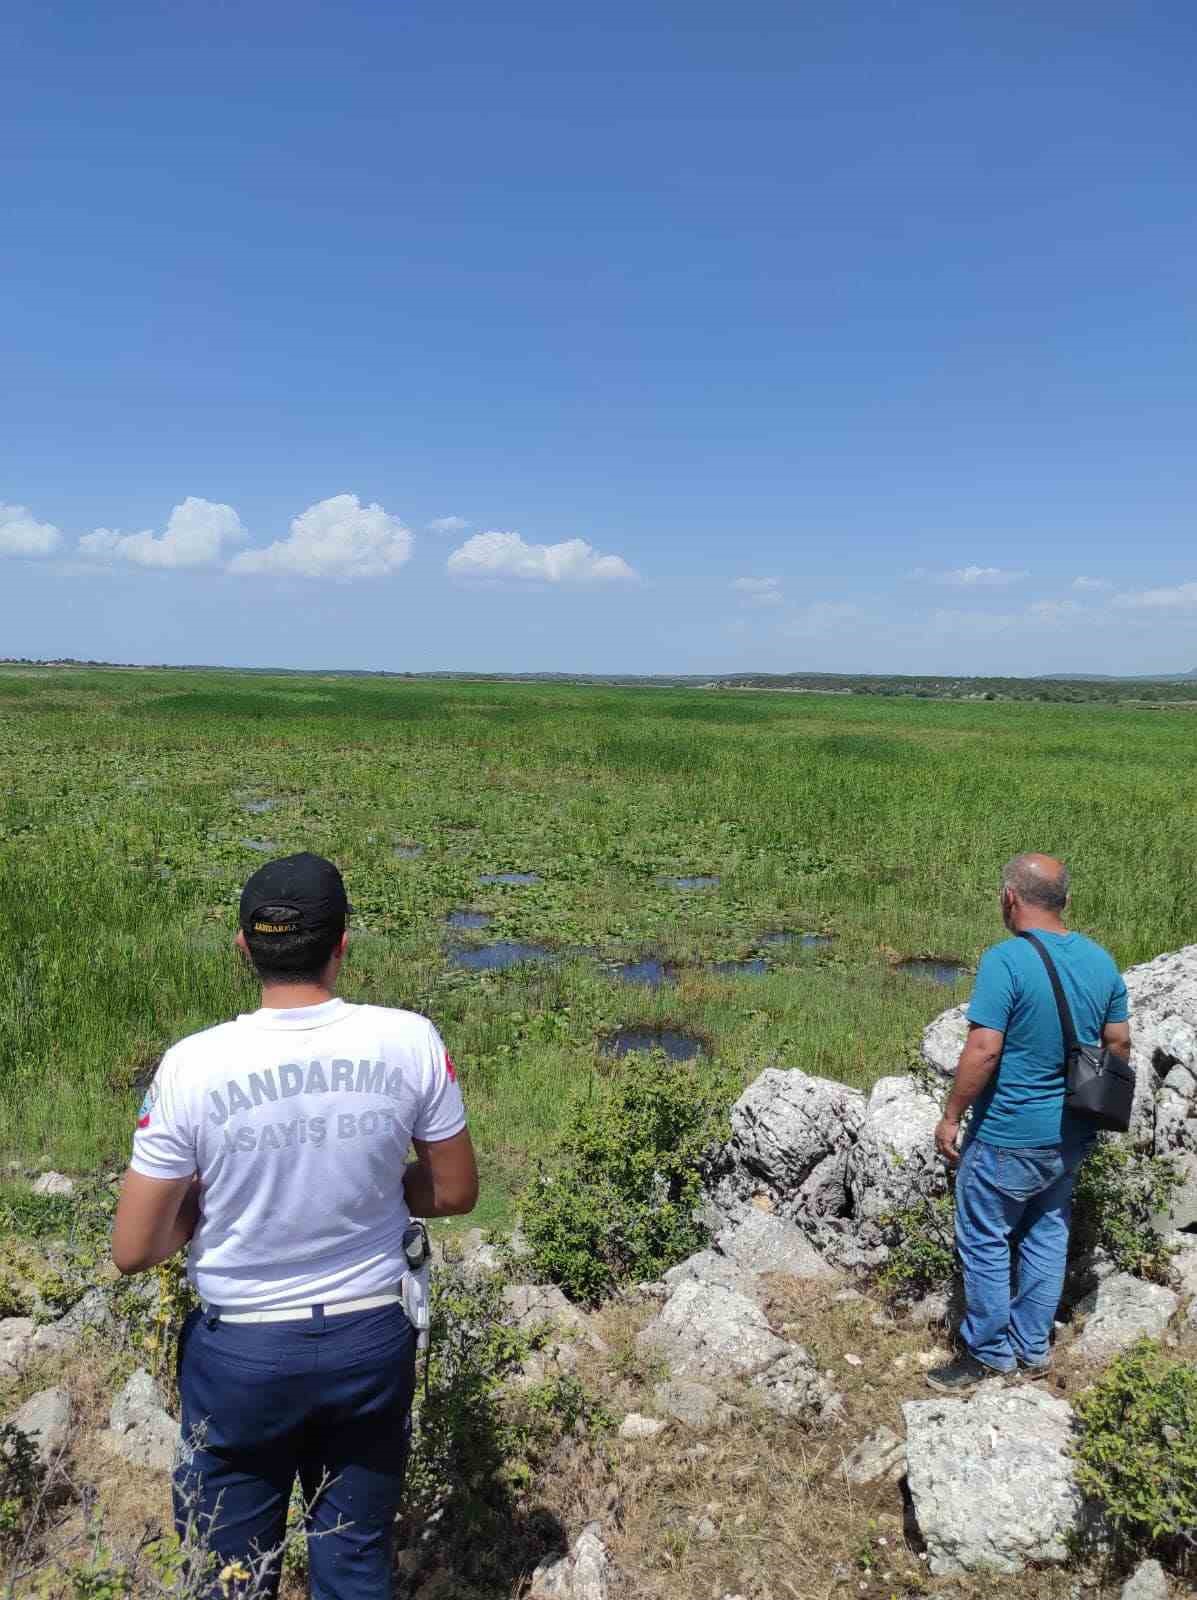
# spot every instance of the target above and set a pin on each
(1121, 1310)
(791, 1135)
(54, 1183)
(943, 1040)
(1184, 1262)
(764, 1243)
(587, 1573)
(531, 1305)
(1148, 1582)
(16, 1344)
(707, 1332)
(691, 1403)
(992, 1480)
(637, 1426)
(46, 1421)
(881, 1456)
(1163, 1022)
(708, 1266)
(140, 1428)
(793, 1387)
(893, 1165)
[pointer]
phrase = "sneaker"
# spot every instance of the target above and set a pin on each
(962, 1376)
(1034, 1369)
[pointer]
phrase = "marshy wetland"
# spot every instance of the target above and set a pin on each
(546, 870)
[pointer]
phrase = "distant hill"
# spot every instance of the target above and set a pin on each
(1157, 689)
(1109, 677)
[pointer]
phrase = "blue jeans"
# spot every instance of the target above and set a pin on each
(1013, 1205)
(329, 1401)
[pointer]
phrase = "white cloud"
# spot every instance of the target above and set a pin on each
(1092, 583)
(822, 618)
(336, 538)
(22, 535)
(448, 525)
(506, 555)
(759, 591)
(1183, 597)
(1040, 614)
(1050, 612)
(195, 536)
(972, 577)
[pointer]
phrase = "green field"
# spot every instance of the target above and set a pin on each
(884, 822)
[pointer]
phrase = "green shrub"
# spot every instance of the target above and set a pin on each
(621, 1204)
(479, 1441)
(1119, 1192)
(1137, 1451)
(922, 1241)
(20, 1485)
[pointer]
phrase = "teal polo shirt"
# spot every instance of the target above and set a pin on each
(1022, 1105)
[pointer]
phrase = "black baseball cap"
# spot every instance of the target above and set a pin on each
(296, 894)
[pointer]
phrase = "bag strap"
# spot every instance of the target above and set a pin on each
(1062, 1006)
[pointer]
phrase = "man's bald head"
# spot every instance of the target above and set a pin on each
(1038, 881)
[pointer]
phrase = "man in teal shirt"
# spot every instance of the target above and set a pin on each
(1018, 1169)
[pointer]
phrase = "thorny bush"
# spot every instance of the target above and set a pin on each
(1137, 1451)
(622, 1203)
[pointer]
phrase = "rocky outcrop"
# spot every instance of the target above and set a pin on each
(1121, 1310)
(992, 1480)
(637, 1426)
(707, 1332)
(1163, 1019)
(140, 1428)
(534, 1308)
(813, 1168)
(693, 1404)
(54, 1183)
(587, 1573)
(46, 1421)
(21, 1338)
(943, 1040)
(713, 1334)
(893, 1164)
(1147, 1582)
(788, 1153)
(765, 1243)
(708, 1266)
(16, 1344)
(881, 1456)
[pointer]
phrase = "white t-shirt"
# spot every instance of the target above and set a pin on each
(299, 1124)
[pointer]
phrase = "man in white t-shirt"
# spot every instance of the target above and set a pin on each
(278, 1146)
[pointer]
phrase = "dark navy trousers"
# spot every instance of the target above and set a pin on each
(326, 1400)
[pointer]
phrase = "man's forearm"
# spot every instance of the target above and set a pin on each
(419, 1190)
(973, 1072)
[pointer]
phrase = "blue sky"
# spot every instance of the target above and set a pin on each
(653, 336)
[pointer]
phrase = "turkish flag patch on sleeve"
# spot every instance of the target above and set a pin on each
(450, 1068)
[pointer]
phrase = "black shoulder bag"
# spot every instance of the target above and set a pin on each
(1099, 1084)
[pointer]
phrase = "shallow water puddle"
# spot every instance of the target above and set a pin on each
(262, 846)
(467, 919)
(509, 877)
(805, 941)
(651, 973)
(750, 967)
(678, 1046)
(498, 956)
(407, 852)
(257, 808)
(929, 969)
(699, 881)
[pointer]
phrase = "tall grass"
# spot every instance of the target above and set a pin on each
(884, 821)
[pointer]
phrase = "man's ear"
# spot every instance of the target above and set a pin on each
(342, 946)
